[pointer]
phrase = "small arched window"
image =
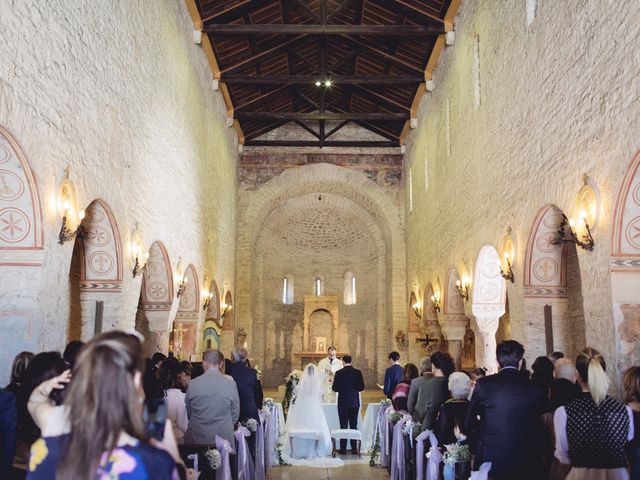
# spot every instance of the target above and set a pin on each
(317, 287)
(350, 295)
(287, 290)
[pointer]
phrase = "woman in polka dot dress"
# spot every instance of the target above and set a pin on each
(593, 430)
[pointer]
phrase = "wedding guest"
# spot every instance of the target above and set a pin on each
(392, 375)
(102, 414)
(524, 370)
(631, 382)
(348, 383)
(435, 390)
(213, 406)
(184, 377)
(71, 352)
(563, 387)
(18, 369)
(401, 393)
(504, 418)
(476, 374)
(8, 425)
(249, 387)
(157, 358)
(196, 371)
(455, 407)
(555, 356)
(150, 383)
(592, 430)
(416, 388)
(173, 397)
(542, 375)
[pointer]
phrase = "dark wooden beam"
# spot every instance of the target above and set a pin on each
(327, 143)
(336, 128)
(308, 129)
(280, 29)
(383, 98)
(337, 11)
(416, 15)
(262, 56)
(335, 79)
(377, 52)
(277, 116)
(227, 15)
(299, 5)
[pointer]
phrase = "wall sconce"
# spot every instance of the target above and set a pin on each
(206, 298)
(138, 257)
(181, 280)
(567, 233)
(463, 287)
(65, 233)
(224, 309)
(435, 301)
(417, 308)
(508, 273)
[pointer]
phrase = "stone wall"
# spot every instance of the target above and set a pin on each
(118, 93)
(523, 107)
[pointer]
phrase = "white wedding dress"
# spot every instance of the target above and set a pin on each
(307, 414)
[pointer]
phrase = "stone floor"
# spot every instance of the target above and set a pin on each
(347, 472)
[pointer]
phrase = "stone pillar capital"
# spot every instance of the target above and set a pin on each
(453, 326)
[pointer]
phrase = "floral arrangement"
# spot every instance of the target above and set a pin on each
(289, 395)
(412, 428)
(269, 403)
(374, 456)
(251, 424)
(456, 453)
(258, 371)
(385, 401)
(214, 458)
(395, 416)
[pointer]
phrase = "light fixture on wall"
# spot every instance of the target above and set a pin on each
(207, 296)
(463, 287)
(568, 234)
(435, 301)
(225, 308)
(417, 308)
(507, 274)
(138, 255)
(181, 279)
(509, 256)
(587, 207)
(66, 234)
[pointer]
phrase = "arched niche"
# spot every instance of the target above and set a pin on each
(430, 322)
(553, 303)
(21, 253)
(96, 274)
(227, 319)
(488, 305)
(625, 267)
(454, 322)
(213, 309)
(21, 220)
(414, 319)
(185, 323)
(211, 336)
(156, 298)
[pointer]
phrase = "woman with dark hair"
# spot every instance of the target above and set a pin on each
(184, 377)
(173, 396)
(401, 392)
(542, 375)
(18, 369)
(631, 383)
(434, 391)
(476, 374)
(592, 430)
(103, 435)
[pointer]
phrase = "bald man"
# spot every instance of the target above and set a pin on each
(564, 387)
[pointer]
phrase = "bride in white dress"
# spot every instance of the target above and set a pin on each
(307, 414)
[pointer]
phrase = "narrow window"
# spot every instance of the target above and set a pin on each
(285, 289)
(349, 289)
(353, 289)
(318, 287)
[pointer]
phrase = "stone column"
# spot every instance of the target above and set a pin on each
(486, 333)
(158, 330)
(454, 326)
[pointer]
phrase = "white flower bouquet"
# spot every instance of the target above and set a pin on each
(251, 424)
(456, 453)
(214, 458)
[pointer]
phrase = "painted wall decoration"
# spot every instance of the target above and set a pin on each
(21, 217)
(157, 291)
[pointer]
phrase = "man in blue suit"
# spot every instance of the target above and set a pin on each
(249, 387)
(348, 383)
(392, 375)
(8, 425)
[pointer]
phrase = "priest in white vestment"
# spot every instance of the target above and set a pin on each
(327, 367)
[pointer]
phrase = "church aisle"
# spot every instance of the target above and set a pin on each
(348, 472)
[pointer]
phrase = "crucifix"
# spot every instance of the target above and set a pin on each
(178, 332)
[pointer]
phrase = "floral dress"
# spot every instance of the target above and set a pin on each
(133, 461)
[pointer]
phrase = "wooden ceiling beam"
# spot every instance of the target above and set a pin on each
(414, 14)
(261, 98)
(382, 98)
(336, 128)
(313, 29)
(308, 129)
(330, 116)
(326, 143)
(337, 11)
(230, 14)
(388, 56)
(262, 56)
(419, 10)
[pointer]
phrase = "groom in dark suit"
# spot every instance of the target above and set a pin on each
(348, 382)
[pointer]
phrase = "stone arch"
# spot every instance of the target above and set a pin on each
(345, 185)
(625, 267)
(488, 304)
(546, 289)
(227, 319)
(21, 251)
(185, 324)
(96, 274)
(156, 298)
(430, 321)
(453, 321)
(21, 216)
(213, 310)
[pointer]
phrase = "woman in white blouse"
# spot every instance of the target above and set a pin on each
(593, 429)
(174, 397)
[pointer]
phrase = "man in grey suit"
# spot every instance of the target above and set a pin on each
(213, 406)
(416, 403)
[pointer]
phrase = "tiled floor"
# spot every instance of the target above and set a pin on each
(347, 472)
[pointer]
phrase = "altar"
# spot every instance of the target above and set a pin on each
(306, 358)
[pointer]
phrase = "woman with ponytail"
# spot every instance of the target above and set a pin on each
(99, 431)
(593, 430)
